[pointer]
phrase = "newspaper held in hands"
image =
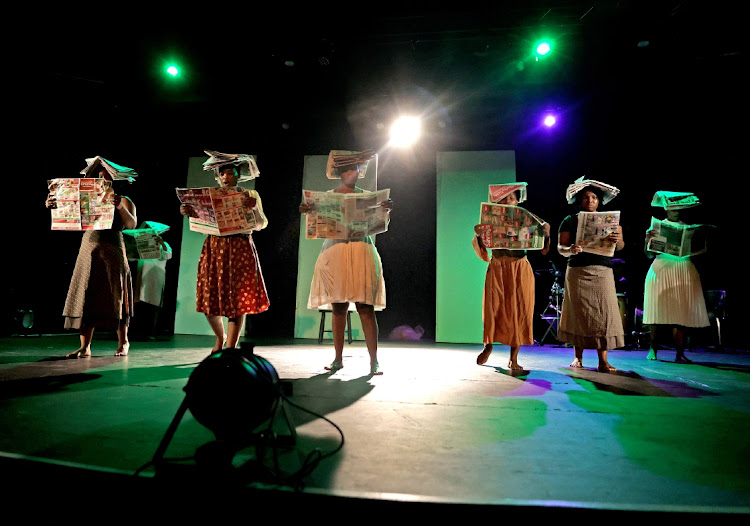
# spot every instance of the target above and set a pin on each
(509, 227)
(82, 204)
(145, 242)
(594, 229)
(219, 211)
(678, 239)
(345, 216)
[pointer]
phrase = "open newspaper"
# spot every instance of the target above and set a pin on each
(219, 210)
(678, 240)
(593, 230)
(145, 242)
(345, 216)
(81, 204)
(509, 227)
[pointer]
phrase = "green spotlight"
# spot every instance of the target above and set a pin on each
(543, 48)
(173, 70)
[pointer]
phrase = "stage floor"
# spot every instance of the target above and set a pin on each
(436, 428)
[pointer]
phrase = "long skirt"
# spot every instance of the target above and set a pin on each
(508, 312)
(673, 294)
(230, 281)
(101, 289)
(590, 314)
(347, 272)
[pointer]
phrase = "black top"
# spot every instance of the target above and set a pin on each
(584, 259)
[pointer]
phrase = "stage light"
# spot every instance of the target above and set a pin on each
(232, 392)
(405, 131)
(549, 120)
(173, 70)
(543, 48)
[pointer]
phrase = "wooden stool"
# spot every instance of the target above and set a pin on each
(323, 324)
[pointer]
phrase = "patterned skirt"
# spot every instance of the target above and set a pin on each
(101, 289)
(508, 312)
(673, 294)
(230, 282)
(590, 314)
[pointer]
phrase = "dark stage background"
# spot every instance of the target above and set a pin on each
(643, 118)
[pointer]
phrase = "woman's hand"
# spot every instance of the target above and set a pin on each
(305, 208)
(51, 201)
(248, 201)
(186, 210)
(576, 249)
(616, 235)
(387, 204)
(546, 230)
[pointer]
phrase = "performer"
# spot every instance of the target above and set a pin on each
(230, 282)
(673, 295)
(590, 313)
(101, 288)
(509, 288)
(349, 270)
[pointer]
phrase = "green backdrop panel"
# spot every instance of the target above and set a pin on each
(463, 180)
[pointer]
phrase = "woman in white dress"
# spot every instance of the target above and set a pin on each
(349, 270)
(673, 294)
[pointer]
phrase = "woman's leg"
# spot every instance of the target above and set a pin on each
(485, 354)
(338, 327)
(513, 362)
(604, 366)
(123, 345)
(652, 351)
(234, 328)
(86, 335)
(217, 325)
(578, 361)
(678, 334)
(370, 328)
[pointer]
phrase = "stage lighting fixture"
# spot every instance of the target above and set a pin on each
(405, 131)
(232, 392)
(549, 120)
(173, 70)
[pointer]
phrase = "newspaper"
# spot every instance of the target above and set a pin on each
(145, 242)
(678, 240)
(81, 204)
(509, 227)
(345, 216)
(593, 230)
(219, 210)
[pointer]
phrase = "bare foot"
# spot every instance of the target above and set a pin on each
(123, 350)
(80, 353)
(335, 366)
(485, 354)
(651, 354)
(606, 368)
(514, 366)
(219, 344)
(578, 364)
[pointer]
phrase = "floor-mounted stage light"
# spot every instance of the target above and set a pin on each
(233, 393)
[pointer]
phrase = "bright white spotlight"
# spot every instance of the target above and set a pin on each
(550, 121)
(405, 131)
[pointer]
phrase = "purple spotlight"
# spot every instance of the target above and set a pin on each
(549, 120)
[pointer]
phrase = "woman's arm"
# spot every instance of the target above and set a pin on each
(616, 236)
(546, 230)
(564, 247)
(252, 200)
(126, 208)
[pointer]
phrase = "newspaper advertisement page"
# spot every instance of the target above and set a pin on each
(593, 230)
(678, 239)
(81, 204)
(145, 243)
(219, 211)
(510, 227)
(345, 216)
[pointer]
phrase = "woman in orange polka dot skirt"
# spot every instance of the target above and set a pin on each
(230, 282)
